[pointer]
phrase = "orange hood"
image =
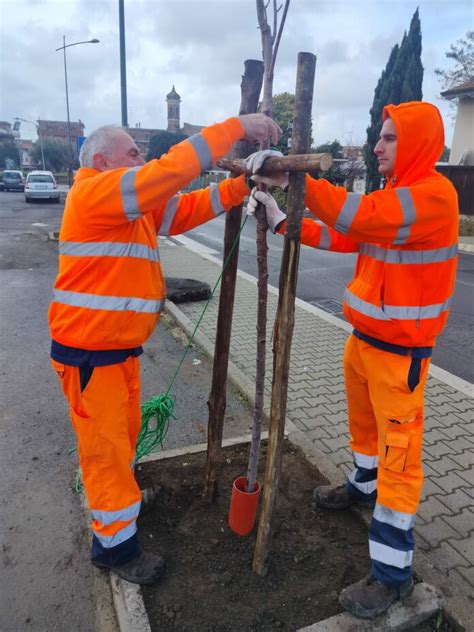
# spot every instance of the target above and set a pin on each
(420, 134)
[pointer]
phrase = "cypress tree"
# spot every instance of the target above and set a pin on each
(401, 81)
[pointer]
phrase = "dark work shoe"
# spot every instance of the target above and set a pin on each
(368, 598)
(149, 499)
(337, 497)
(147, 568)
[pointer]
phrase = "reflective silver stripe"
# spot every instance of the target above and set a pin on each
(129, 194)
(388, 555)
(348, 212)
(396, 519)
(108, 541)
(109, 303)
(107, 249)
(364, 307)
(202, 150)
(434, 255)
(216, 200)
(397, 312)
(325, 239)
(365, 461)
(168, 216)
(365, 488)
(409, 214)
(122, 515)
(400, 312)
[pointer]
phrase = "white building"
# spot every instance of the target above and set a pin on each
(462, 150)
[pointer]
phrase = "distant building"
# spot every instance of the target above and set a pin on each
(141, 135)
(58, 130)
(462, 149)
(353, 152)
(24, 147)
(6, 132)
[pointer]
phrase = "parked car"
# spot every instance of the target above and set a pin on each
(40, 185)
(13, 180)
(2, 186)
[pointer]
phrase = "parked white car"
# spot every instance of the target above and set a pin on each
(40, 185)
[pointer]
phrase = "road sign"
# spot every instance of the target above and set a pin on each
(79, 142)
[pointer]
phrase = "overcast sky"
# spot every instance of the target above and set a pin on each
(200, 46)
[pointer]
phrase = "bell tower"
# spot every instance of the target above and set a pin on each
(173, 100)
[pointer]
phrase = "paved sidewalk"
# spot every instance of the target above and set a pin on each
(317, 407)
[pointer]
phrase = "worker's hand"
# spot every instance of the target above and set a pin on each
(274, 216)
(255, 162)
(259, 127)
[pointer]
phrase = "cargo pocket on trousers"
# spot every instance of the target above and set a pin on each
(396, 451)
(88, 438)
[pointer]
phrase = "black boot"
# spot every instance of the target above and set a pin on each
(337, 497)
(146, 568)
(368, 598)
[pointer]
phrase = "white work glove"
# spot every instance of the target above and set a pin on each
(259, 127)
(274, 216)
(255, 162)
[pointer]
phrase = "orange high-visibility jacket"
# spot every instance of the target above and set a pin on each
(406, 236)
(110, 290)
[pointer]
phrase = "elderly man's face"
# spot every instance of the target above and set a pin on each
(386, 148)
(123, 153)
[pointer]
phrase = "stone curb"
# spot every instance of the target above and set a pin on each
(423, 603)
(466, 248)
(129, 605)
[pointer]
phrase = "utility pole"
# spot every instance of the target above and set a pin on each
(123, 68)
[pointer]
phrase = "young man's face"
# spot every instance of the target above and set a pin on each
(386, 148)
(123, 153)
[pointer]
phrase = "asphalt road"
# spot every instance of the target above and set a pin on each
(323, 275)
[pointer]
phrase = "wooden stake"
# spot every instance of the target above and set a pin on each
(302, 162)
(250, 90)
(284, 322)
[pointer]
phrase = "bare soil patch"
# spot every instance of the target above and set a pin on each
(209, 583)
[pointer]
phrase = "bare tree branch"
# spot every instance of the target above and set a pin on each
(275, 21)
(280, 31)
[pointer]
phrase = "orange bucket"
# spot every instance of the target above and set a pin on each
(243, 506)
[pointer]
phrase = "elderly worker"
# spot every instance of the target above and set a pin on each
(107, 300)
(406, 236)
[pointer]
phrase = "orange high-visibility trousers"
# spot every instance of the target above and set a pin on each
(105, 414)
(385, 409)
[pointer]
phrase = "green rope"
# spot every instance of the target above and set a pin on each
(160, 407)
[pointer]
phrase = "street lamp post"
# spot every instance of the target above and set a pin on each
(17, 118)
(63, 48)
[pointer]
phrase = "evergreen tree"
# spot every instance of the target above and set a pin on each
(161, 144)
(401, 81)
(283, 108)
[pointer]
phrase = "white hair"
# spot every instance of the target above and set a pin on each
(101, 141)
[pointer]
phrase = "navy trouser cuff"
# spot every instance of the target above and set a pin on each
(117, 555)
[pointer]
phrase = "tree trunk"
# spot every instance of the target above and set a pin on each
(250, 90)
(284, 322)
